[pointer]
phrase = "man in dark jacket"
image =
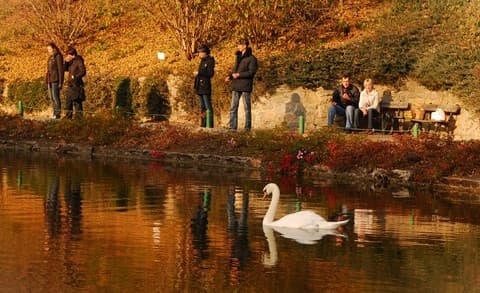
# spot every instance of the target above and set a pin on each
(54, 78)
(75, 96)
(242, 83)
(344, 101)
(203, 85)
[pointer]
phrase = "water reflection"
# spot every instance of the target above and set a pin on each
(72, 219)
(123, 196)
(63, 226)
(237, 233)
(73, 203)
(53, 208)
(270, 258)
(199, 225)
(185, 230)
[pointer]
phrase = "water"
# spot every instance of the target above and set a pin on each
(69, 225)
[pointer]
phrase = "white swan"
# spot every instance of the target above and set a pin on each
(299, 220)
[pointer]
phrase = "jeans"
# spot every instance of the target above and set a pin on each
(205, 104)
(337, 110)
(234, 110)
(359, 114)
(54, 94)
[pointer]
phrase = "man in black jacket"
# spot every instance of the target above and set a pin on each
(75, 66)
(203, 85)
(242, 83)
(344, 102)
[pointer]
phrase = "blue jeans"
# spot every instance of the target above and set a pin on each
(205, 104)
(337, 110)
(234, 110)
(54, 94)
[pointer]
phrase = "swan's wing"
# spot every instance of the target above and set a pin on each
(302, 219)
(306, 220)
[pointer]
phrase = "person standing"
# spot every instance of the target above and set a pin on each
(242, 75)
(344, 101)
(54, 78)
(75, 96)
(203, 84)
(369, 105)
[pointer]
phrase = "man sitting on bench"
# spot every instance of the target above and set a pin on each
(344, 101)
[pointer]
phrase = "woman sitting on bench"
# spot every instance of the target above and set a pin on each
(369, 105)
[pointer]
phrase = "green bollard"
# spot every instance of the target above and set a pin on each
(20, 108)
(415, 130)
(301, 124)
(209, 119)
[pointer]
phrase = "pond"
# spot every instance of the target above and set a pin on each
(70, 225)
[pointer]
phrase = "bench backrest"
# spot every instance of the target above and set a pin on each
(452, 109)
(395, 105)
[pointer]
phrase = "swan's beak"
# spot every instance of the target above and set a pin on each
(265, 194)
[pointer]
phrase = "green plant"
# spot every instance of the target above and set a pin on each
(32, 93)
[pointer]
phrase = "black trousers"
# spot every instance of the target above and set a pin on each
(74, 105)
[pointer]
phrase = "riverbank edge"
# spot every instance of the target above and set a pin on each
(465, 188)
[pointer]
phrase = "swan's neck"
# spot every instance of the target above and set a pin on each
(272, 209)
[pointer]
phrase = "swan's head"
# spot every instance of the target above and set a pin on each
(269, 189)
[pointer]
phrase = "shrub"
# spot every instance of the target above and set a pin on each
(148, 96)
(32, 93)
(153, 99)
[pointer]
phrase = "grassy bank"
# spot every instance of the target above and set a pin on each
(280, 151)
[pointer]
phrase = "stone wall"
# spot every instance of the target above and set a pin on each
(284, 107)
(287, 104)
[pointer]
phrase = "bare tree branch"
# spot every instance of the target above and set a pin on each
(62, 21)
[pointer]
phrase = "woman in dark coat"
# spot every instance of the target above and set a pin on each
(203, 85)
(75, 95)
(54, 78)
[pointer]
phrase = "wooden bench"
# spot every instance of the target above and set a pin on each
(427, 124)
(393, 114)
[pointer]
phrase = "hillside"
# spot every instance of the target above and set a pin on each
(392, 41)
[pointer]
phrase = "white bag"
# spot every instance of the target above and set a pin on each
(438, 115)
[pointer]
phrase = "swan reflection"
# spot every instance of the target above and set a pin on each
(270, 258)
(306, 236)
